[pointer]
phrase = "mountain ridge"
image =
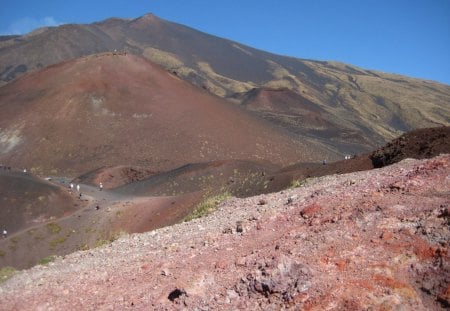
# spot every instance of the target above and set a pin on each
(369, 104)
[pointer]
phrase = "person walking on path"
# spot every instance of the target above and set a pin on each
(78, 187)
(101, 186)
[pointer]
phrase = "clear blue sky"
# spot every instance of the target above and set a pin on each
(409, 37)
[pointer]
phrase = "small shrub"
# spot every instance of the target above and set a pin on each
(53, 227)
(55, 242)
(83, 247)
(300, 183)
(207, 206)
(112, 238)
(101, 242)
(46, 260)
(6, 273)
(295, 183)
(2, 253)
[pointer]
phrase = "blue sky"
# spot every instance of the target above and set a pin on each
(409, 37)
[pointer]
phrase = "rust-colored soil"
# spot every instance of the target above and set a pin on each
(369, 240)
(115, 176)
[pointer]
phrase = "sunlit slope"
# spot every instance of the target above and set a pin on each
(115, 109)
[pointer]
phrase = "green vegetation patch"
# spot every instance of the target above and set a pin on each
(46, 260)
(301, 182)
(112, 238)
(207, 206)
(56, 242)
(2, 253)
(6, 273)
(295, 183)
(53, 227)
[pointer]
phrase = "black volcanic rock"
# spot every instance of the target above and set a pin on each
(418, 144)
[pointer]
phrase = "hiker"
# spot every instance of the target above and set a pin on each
(101, 186)
(71, 186)
(324, 162)
(5, 233)
(78, 187)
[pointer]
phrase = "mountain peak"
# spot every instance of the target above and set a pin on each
(147, 18)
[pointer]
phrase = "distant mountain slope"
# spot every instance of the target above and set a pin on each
(359, 109)
(114, 109)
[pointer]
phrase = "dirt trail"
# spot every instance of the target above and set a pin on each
(101, 217)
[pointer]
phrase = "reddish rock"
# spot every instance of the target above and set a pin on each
(384, 252)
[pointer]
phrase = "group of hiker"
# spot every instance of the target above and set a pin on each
(71, 187)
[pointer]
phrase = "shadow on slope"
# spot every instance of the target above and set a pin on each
(28, 200)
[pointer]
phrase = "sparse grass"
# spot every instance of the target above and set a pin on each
(101, 242)
(115, 236)
(295, 183)
(300, 182)
(217, 79)
(2, 253)
(46, 260)
(6, 273)
(89, 230)
(56, 242)
(165, 59)
(207, 206)
(53, 227)
(83, 247)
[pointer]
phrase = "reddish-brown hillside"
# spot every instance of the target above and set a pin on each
(360, 109)
(28, 201)
(114, 109)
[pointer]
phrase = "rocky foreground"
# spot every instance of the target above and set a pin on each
(374, 240)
